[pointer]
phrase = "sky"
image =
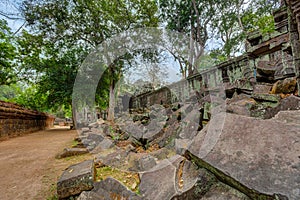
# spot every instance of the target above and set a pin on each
(10, 7)
(170, 66)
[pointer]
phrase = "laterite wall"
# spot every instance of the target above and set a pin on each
(16, 120)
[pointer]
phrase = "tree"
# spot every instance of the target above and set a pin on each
(192, 17)
(235, 19)
(32, 99)
(10, 10)
(51, 68)
(229, 33)
(259, 16)
(150, 66)
(86, 24)
(225, 24)
(7, 55)
(9, 92)
(29, 51)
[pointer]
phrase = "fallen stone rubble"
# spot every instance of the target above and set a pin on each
(235, 156)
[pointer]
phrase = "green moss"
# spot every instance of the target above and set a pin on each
(75, 143)
(266, 97)
(204, 184)
(129, 179)
(53, 190)
(54, 197)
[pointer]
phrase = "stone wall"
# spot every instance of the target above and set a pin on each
(294, 25)
(16, 120)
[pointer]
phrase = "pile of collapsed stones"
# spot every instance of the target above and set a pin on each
(246, 147)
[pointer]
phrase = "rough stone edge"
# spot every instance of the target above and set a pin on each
(224, 178)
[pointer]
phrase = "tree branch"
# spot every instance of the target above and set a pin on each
(10, 16)
(19, 28)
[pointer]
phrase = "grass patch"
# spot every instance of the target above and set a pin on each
(129, 179)
(75, 143)
(54, 197)
(53, 191)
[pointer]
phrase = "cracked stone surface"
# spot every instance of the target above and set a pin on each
(109, 189)
(261, 154)
(75, 179)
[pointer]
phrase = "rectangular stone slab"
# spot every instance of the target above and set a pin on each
(263, 155)
(75, 179)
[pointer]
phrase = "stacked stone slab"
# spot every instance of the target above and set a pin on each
(16, 120)
(294, 11)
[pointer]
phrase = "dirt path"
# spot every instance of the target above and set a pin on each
(28, 166)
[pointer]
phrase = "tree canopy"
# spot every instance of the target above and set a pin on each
(60, 34)
(220, 26)
(65, 31)
(7, 55)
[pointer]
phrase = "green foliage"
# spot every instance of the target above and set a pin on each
(66, 31)
(218, 55)
(30, 49)
(65, 111)
(185, 17)
(7, 55)
(102, 94)
(224, 23)
(75, 143)
(88, 21)
(29, 98)
(193, 18)
(33, 99)
(265, 24)
(60, 71)
(207, 61)
(53, 69)
(237, 18)
(9, 92)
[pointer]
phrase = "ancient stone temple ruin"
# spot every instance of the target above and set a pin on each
(269, 58)
(230, 132)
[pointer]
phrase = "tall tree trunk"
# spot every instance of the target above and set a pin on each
(191, 54)
(111, 106)
(182, 69)
(74, 117)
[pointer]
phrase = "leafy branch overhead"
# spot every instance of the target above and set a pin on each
(218, 26)
(65, 26)
(7, 55)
